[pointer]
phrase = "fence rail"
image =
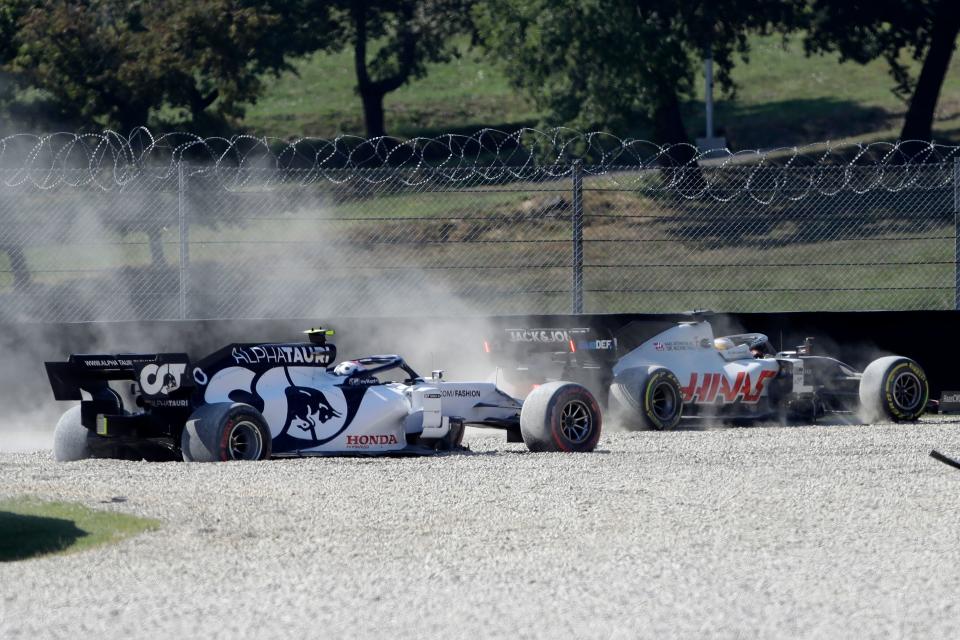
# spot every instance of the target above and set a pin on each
(130, 240)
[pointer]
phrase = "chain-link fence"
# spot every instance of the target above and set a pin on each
(240, 240)
(810, 239)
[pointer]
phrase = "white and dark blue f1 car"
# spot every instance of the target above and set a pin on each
(254, 401)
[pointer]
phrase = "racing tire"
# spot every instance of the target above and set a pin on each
(654, 396)
(893, 388)
(224, 431)
(71, 440)
(560, 416)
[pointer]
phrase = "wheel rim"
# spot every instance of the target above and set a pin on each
(576, 421)
(244, 441)
(664, 402)
(907, 391)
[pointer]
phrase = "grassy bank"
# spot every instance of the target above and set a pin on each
(31, 528)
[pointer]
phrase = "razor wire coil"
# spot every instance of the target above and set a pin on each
(108, 160)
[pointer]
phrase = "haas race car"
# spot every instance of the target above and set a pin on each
(685, 371)
(254, 401)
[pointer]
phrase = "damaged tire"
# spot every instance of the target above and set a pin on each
(71, 440)
(893, 388)
(652, 395)
(225, 431)
(560, 416)
(450, 442)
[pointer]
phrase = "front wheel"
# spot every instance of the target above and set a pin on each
(450, 442)
(225, 431)
(560, 416)
(893, 388)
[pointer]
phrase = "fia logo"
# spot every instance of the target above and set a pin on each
(161, 379)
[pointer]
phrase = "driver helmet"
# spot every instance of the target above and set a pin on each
(348, 368)
(723, 344)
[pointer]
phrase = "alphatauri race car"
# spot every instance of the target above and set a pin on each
(685, 371)
(254, 401)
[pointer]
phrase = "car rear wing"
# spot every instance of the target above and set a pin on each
(85, 376)
(585, 342)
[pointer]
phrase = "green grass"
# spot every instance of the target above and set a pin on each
(783, 98)
(31, 528)
(319, 100)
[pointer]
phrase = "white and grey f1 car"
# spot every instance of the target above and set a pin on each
(254, 401)
(685, 371)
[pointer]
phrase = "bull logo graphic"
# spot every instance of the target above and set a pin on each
(306, 409)
(170, 383)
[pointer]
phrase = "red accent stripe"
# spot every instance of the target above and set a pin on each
(224, 442)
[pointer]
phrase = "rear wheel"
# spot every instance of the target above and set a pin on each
(224, 431)
(560, 416)
(893, 388)
(71, 440)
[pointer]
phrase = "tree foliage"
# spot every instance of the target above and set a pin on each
(10, 13)
(118, 61)
(585, 63)
(593, 63)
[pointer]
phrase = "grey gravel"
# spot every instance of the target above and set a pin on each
(825, 531)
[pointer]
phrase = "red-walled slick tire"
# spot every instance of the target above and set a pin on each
(225, 431)
(560, 416)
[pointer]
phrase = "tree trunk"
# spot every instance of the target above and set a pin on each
(373, 111)
(200, 102)
(668, 127)
(373, 91)
(133, 116)
(918, 124)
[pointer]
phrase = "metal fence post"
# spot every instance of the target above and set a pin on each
(577, 237)
(184, 239)
(956, 233)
